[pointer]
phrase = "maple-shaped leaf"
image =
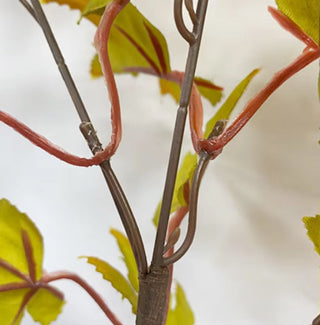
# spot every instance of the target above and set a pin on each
(181, 313)
(21, 255)
(128, 257)
(312, 225)
(305, 13)
(228, 106)
(117, 280)
(184, 176)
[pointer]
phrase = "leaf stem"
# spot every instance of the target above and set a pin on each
(65, 275)
(212, 145)
(178, 135)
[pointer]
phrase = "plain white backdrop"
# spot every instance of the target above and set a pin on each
(251, 262)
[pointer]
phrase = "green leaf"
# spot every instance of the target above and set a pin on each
(209, 90)
(21, 255)
(305, 13)
(227, 107)
(10, 302)
(206, 88)
(128, 257)
(312, 225)
(171, 88)
(134, 42)
(185, 173)
(117, 280)
(79, 5)
(12, 223)
(45, 307)
(182, 313)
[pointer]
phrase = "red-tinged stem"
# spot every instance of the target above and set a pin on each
(24, 302)
(9, 267)
(28, 251)
(65, 275)
(101, 44)
(254, 104)
(46, 145)
(195, 117)
(292, 27)
(14, 286)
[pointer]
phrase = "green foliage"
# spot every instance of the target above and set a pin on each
(128, 257)
(44, 307)
(305, 13)
(21, 258)
(207, 89)
(181, 313)
(185, 174)
(134, 41)
(117, 280)
(227, 107)
(312, 225)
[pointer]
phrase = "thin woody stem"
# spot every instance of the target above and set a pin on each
(65, 275)
(178, 135)
(73, 91)
(193, 200)
(89, 133)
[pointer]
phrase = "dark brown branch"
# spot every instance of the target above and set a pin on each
(178, 135)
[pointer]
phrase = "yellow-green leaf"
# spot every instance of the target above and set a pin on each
(185, 173)
(171, 88)
(21, 254)
(10, 301)
(227, 107)
(78, 5)
(181, 313)
(95, 67)
(12, 224)
(117, 280)
(305, 13)
(134, 42)
(44, 306)
(209, 90)
(128, 257)
(312, 225)
(206, 88)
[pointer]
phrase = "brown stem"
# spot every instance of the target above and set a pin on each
(178, 135)
(65, 275)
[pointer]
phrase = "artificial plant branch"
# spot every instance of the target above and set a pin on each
(309, 54)
(193, 199)
(178, 17)
(213, 145)
(87, 128)
(178, 133)
(65, 275)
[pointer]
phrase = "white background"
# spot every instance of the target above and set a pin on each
(251, 262)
